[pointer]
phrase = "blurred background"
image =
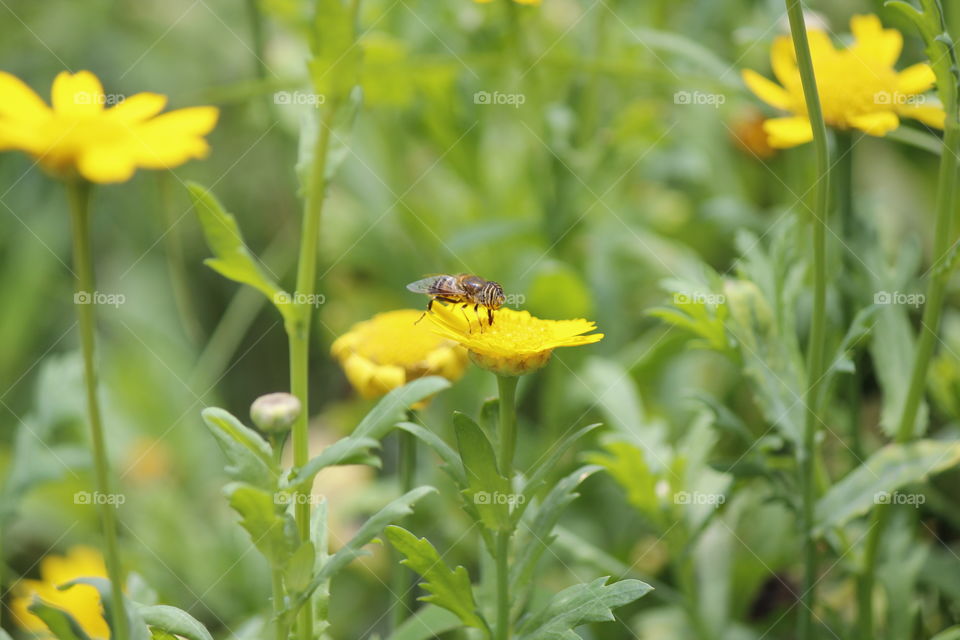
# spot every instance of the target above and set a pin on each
(579, 152)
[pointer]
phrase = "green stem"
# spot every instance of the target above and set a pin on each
(406, 471)
(507, 387)
(78, 193)
(280, 627)
(816, 345)
(933, 307)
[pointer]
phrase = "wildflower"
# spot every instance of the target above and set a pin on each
(516, 343)
(858, 86)
(390, 350)
(748, 134)
(82, 601)
(80, 134)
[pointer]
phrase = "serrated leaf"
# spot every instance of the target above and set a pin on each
(231, 258)
(392, 407)
(250, 456)
(349, 450)
(448, 588)
(395, 510)
(174, 621)
(486, 488)
(886, 471)
(578, 605)
(259, 516)
(60, 623)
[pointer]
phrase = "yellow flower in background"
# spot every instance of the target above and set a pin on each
(516, 343)
(389, 350)
(858, 86)
(82, 602)
(79, 133)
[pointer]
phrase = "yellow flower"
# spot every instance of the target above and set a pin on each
(82, 601)
(516, 343)
(101, 144)
(389, 350)
(858, 86)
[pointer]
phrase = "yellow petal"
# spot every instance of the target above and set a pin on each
(173, 138)
(770, 92)
(916, 79)
(138, 108)
(79, 94)
(878, 123)
(928, 114)
(874, 44)
(783, 61)
(106, 163)
(19, 102)
(783, 133)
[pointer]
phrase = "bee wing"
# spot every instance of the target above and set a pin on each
(427, 285)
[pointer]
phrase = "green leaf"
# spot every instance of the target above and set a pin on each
(231, 258)
(953, 633)
(627, 464)
(886, 471)
(450, 589)
(137, 628)
(349, 450)
(447, 454)
(426, 624)
(268, 529)
(395, 510)
(335, 66)
(486, 488)
(392, 407)
(578, 605)
(300, 568)
(250, 457)
(174, 621)
(540, 471)
(60, 623)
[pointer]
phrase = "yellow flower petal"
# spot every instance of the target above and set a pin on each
(916, 79)
(783, 133)
(173, 138)
(770, 92)
(106, 163)
(78, 95)
(19, 102)
(878, 123)
(138, 108)
(930, 115)
(874, 44)
(783, 61)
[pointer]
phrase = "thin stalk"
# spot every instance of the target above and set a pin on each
(280, 626)
(299, 333)
(78, 193)
(933, 307)
(406, 472)
(507, 387)
(816, 345)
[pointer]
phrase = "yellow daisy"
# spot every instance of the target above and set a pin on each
(516, 343)
(859, 87)
(80, 134)
(82, 602)
(391, 349)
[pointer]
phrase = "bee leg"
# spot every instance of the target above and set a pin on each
(490, 315)
(476, 312)
(469, 326)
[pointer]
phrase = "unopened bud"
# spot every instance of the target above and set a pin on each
(275, 412)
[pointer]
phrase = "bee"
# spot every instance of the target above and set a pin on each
(465, 289)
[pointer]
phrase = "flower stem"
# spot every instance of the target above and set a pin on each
(406, 470)
(279, 621)
(933, 307)
(507, 387)
(816, 344)
(78, 193)
(299, 333)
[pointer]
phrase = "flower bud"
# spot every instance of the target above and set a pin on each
(275, 412)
